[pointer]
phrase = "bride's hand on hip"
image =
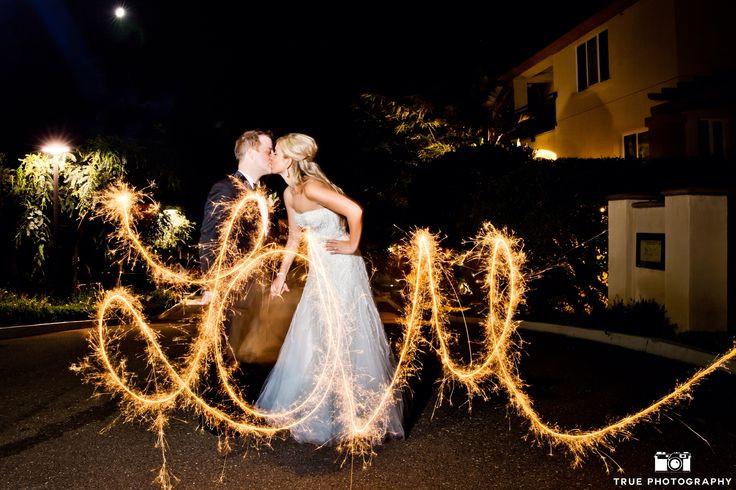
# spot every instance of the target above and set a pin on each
(340, 247)
(278, 286)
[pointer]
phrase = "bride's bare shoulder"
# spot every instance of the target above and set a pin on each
(314, 186)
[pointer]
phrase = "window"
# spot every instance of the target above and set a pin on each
(593, 61)
(636, 145)
(711, 138)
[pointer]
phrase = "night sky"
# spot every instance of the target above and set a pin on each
(199, 73)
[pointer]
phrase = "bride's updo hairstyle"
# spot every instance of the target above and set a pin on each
(302, 149)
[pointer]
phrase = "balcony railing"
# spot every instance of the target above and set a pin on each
(538, 116)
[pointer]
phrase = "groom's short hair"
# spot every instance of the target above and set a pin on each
(249, 139)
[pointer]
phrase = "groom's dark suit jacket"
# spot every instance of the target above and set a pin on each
(243, 317)
(224, 191)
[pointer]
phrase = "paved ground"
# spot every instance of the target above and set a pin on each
(54, 435)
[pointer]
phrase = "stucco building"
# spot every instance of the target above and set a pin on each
(638, 79)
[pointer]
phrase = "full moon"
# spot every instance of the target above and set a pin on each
(120, 12)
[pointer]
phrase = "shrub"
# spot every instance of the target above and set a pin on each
(16, 309)
(645, 318)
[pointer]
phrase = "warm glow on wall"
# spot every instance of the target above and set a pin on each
(542, 154)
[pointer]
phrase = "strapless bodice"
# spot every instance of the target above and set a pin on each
(322, 223)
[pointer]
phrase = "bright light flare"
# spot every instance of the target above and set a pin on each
(55, 148)
(120, 12)
(172, 384)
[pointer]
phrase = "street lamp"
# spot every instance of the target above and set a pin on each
(58, 151)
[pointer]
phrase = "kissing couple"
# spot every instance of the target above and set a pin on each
(302, 391)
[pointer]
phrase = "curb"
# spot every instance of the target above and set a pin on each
(17, 331)
(648, 345)
(654, 346)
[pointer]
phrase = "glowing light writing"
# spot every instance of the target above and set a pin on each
(175, 384)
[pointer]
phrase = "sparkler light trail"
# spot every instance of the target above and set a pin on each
(172, 384)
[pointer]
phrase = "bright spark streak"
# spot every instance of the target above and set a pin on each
(364, 412)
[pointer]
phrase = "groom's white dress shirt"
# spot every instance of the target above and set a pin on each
(248, 178)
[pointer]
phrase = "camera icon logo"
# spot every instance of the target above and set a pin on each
(678, 462)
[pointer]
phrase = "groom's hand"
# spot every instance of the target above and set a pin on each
(206, 298)
(340, 247)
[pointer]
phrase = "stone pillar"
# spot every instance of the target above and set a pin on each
(648, 282)
(696, 259)
(622, 245)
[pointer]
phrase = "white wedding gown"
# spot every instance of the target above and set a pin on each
(333, 374)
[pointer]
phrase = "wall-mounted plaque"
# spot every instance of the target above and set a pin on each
(650, 250)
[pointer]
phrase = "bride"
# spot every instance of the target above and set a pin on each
(332, 381)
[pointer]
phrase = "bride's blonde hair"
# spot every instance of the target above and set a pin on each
(302, 149)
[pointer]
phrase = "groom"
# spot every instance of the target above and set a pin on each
(253, 150)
